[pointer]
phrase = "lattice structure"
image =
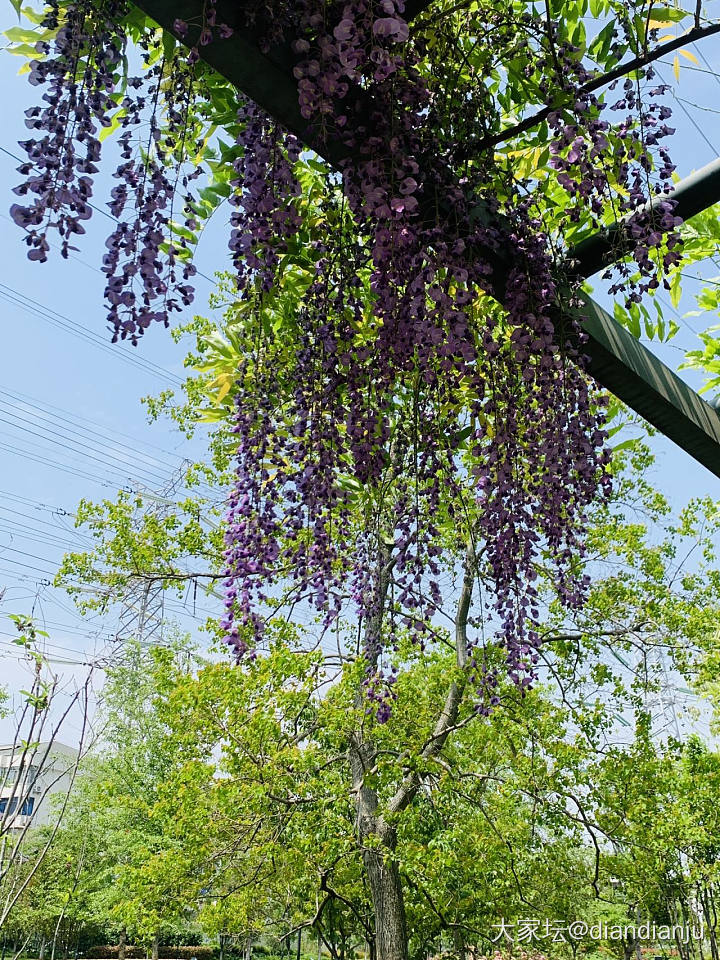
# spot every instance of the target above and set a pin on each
(142, 616)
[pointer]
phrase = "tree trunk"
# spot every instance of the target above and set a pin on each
(388, 903)
(121, 945)
(383, 873)
(386, 892)
(459, 943)
(156, 947)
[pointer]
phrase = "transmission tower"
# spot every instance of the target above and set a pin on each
(142, 614)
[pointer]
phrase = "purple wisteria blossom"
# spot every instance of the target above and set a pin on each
(504, 377)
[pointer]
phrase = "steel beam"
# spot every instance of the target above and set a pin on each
(617, 360)
(691, 196)
(264, 75)
(637, 377)
(413, 8)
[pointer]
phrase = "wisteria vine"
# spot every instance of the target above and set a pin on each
(398, 352)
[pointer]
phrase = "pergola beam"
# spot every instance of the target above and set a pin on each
(263, 75)
(413, 8)
(617, 360)
(637, 377)
(690, 196)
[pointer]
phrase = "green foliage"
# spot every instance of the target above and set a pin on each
(92, 878)
(222, 800)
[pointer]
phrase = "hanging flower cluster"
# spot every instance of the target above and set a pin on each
(80, 79)
(147, 264)
(397, 353)
(538, 457)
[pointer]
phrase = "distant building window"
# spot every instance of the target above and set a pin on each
(10, 775)
(26, 809)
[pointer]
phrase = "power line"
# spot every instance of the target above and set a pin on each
(38, 519)
(51, 658)
(75, 329)
(119, 472)
(23, 553)
(690, 117)
(39, 504)
(66, 468)
(90, 426)
(47, 574)
(77, 448)
(704, 59)
(144, 472)
(23, 532)
(68, 442)
(127, 481)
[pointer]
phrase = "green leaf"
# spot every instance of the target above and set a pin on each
(668, 14)
(169, 45)
(675, 289)
(24, 50)
(25, 35)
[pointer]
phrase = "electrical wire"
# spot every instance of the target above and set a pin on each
(43, 312)
(54, 527)
(46, 574)
(39, 504)
(690, 117)
(704, 59)
(65, 468)
(99, 210)
(52, 537)
(91, 425)
(22, 532)
(77, 448)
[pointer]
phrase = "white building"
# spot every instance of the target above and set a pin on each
(29, 778)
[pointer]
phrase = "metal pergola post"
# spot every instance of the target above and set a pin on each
(618, 361)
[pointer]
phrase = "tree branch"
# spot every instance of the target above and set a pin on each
(487, 143)
(446, 721)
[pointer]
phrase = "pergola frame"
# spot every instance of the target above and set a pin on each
(618, 361)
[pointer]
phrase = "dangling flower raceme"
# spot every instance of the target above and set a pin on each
(394, 316)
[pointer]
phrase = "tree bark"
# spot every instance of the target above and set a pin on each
(376, 836)
(380, 865)
(121, 945)
(389, 903)
(391, 942)
(459, 944)
(156, 947)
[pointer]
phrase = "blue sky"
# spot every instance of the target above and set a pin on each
(71, 424)
(71, 421)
